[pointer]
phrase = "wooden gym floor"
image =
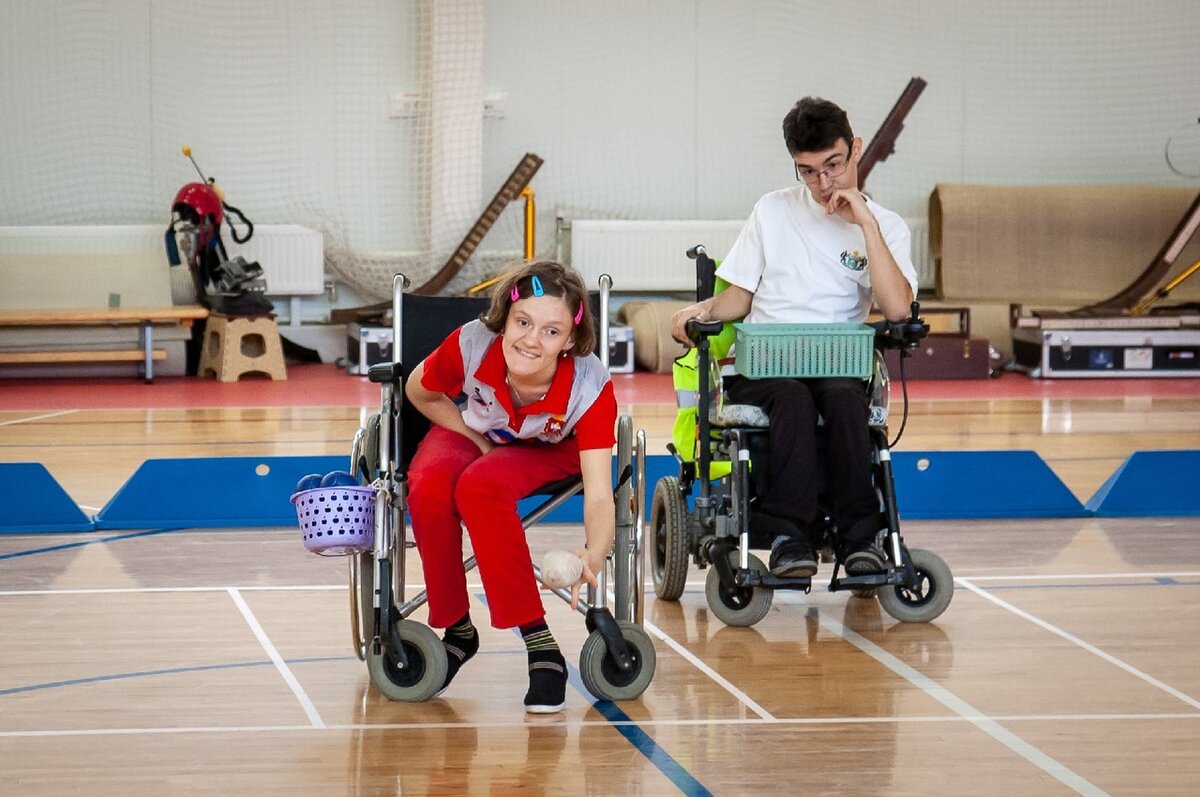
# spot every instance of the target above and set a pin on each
(208, 661)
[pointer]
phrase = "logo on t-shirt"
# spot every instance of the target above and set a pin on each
(553, 427)
(855, 261)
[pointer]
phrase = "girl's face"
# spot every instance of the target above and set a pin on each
(538, 329)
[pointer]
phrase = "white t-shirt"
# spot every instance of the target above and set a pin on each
(805, 266)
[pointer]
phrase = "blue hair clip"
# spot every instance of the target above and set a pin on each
(538, 290)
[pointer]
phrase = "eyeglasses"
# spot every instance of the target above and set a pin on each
(813, 176)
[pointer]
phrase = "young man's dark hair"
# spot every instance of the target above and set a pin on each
(815, 125)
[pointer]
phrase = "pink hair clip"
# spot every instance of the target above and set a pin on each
(515, 295)
(579, 314)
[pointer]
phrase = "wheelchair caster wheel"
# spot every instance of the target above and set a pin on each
(743, 606)
(668, 539)
(931, 596)
(427, 665)
(600, 673)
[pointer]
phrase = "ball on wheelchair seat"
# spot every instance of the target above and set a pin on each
(309, 482)
(561, 569)
(338, 478)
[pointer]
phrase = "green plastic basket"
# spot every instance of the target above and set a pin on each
(804, 350)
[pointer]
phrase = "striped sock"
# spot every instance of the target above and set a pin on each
(538, 638)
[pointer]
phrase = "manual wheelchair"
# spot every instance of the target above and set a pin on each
(916, 585)
(406, 659)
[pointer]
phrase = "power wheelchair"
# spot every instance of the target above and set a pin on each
(916, 585)
(406, 659)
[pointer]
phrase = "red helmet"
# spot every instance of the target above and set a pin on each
(196, 202)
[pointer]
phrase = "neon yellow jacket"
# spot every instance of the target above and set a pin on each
(685, 374)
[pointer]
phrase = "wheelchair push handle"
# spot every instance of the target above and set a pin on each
(702, 329)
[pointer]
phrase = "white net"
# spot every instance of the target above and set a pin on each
(285, 104)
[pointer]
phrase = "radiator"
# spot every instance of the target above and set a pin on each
(292, 257)
(921, 256)
(651, 255)
(646, 255)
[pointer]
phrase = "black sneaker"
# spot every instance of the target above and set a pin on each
(458, 651)
(793, 558)
(864, 562)
(547, 684)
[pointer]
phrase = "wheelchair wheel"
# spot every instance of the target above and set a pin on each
(427, 665)
(929, 599)
(668, 549)
(600, 673)
(742, 607)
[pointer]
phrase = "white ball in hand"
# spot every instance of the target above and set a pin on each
(561, 569)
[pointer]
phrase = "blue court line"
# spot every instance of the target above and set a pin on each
(648, 747)
(627, 727)
(67, 545)
(166, 671)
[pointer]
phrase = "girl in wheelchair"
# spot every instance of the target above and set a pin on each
(517, 400)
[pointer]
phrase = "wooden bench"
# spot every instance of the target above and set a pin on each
(146, 317)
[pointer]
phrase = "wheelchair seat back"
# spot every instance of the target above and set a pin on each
(426, 321)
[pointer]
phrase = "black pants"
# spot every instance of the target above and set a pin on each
(793, 469)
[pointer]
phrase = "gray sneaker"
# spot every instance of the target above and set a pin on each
(866, 562)
(793, 558)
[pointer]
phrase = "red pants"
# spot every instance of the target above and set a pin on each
(450, 484)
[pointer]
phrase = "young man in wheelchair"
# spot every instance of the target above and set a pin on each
(819, 252)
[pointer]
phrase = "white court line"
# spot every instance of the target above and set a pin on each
(599, 723)
(1082, 576)
(988, 725)
(742, 697)
(137, 590)
(280, 664)
(1129, 668)
(37, 417)
(419, 586)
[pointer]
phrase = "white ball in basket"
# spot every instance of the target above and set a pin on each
(561, 569)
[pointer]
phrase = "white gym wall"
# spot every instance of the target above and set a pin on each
(641, 110)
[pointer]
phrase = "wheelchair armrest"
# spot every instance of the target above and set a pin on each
(385, 372)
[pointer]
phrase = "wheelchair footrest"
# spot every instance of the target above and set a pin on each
(751, 578)
(893, 577)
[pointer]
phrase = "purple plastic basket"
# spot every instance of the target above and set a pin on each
(336, 521)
